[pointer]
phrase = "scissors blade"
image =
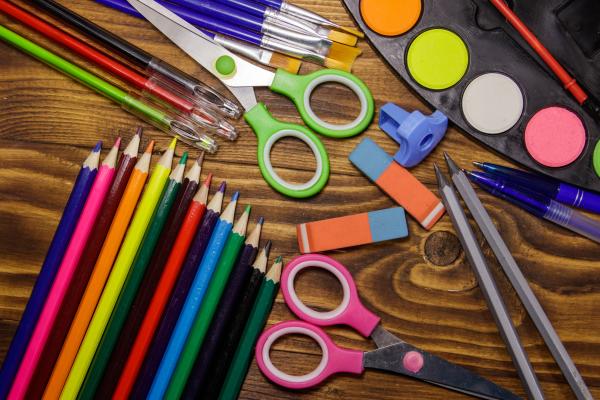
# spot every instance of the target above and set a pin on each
(200, 47)
(435, 370)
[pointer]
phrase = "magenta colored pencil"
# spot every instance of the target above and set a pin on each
(65, 274)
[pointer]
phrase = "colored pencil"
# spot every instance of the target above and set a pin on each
(131, 326)
(102, 268)
(165, 120)
(234, 329)
(193, 301)
(134, 279)
(254, 326)
(121, 267)
(228, 258)
(158, 302)
(200, 115)
(201, 93)
(54, 256)
(151, 355)
(66, 272)
(84, 270)
(223, 314)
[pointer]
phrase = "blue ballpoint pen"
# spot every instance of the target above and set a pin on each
(550, 187)
(538, 205)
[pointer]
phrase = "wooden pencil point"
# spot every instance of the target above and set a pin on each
(184, 157)
(111, 158)
(93, 159)
(274, 273)
(263, 258)
(150, 147)
(216, 203)
(254, 236)
(242, 223)
(194, 172)
(173, 144)
(117, 143)
(133, 147)
(177, 174)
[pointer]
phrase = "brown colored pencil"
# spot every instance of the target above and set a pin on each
(150, 281)
(84, 269)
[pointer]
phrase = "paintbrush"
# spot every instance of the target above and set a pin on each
(339, 56)
(307, 15)
(244, 48)
(287, 20)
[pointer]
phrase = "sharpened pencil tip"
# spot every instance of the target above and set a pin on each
(150, 147)
(268, 247)
(139, 131)
(248, 208)
(173, 144)
(117, 142)
(222, 187)
(183, 158)
(208, 180)
(200, 159)
(261, 220)
(278, 259)
(451, 164)
(439, 175)
(235, 196)
(97, 147)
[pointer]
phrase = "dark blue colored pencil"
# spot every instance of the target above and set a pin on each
(57, 249)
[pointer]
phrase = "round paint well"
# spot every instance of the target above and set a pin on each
(390, 17)
(492, 103)
(555, 137)
(437, 59)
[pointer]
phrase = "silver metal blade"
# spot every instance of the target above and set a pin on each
(435, 370)
(201, 48)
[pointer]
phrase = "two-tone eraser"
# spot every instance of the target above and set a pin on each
(352, 230)
(397, 182)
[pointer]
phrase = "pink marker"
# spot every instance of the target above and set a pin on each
(65, 274)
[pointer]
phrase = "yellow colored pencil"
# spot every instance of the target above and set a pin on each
(118, 275)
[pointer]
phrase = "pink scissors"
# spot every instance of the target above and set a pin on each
(392, 354)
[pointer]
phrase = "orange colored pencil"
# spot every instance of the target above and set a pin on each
(163, 291)
(99, 275)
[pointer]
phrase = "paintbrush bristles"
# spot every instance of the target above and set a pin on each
(290, 64)
(342, 38)
(342, 57)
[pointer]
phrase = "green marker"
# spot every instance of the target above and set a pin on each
(178, 127)
(256, 322)
(132, 284)
(232, 248)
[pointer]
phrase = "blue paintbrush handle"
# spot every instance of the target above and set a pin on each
(223, 12)
(194, 18)
(250, 7)
(276, 4)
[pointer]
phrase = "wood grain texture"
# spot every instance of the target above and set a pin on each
(422, 287)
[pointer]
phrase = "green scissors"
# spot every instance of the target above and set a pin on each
(241, 77)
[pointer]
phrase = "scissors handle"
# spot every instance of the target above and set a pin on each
(334, 359)
(350, 312)
(268, 131)
(299, 89)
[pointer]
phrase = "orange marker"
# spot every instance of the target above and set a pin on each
(398, 183)
(99, 275)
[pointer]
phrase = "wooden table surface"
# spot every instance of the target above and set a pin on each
(422, 287)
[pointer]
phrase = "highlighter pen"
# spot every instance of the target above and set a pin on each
(562, 192)
(540, 206)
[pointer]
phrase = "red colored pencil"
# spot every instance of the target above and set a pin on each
(163, 291)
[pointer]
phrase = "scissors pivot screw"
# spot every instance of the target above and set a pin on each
(413, 361)
(225, 65)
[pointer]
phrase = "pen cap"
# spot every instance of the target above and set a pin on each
(198, 92)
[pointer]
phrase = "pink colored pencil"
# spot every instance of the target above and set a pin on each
(65, 274)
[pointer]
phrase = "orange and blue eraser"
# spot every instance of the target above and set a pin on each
(352, 230)
(397, 182)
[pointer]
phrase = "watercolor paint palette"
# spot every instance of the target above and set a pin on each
(466, 61)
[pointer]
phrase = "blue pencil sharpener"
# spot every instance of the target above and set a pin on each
(416, 133)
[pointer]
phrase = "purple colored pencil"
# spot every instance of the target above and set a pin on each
(182, 287)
